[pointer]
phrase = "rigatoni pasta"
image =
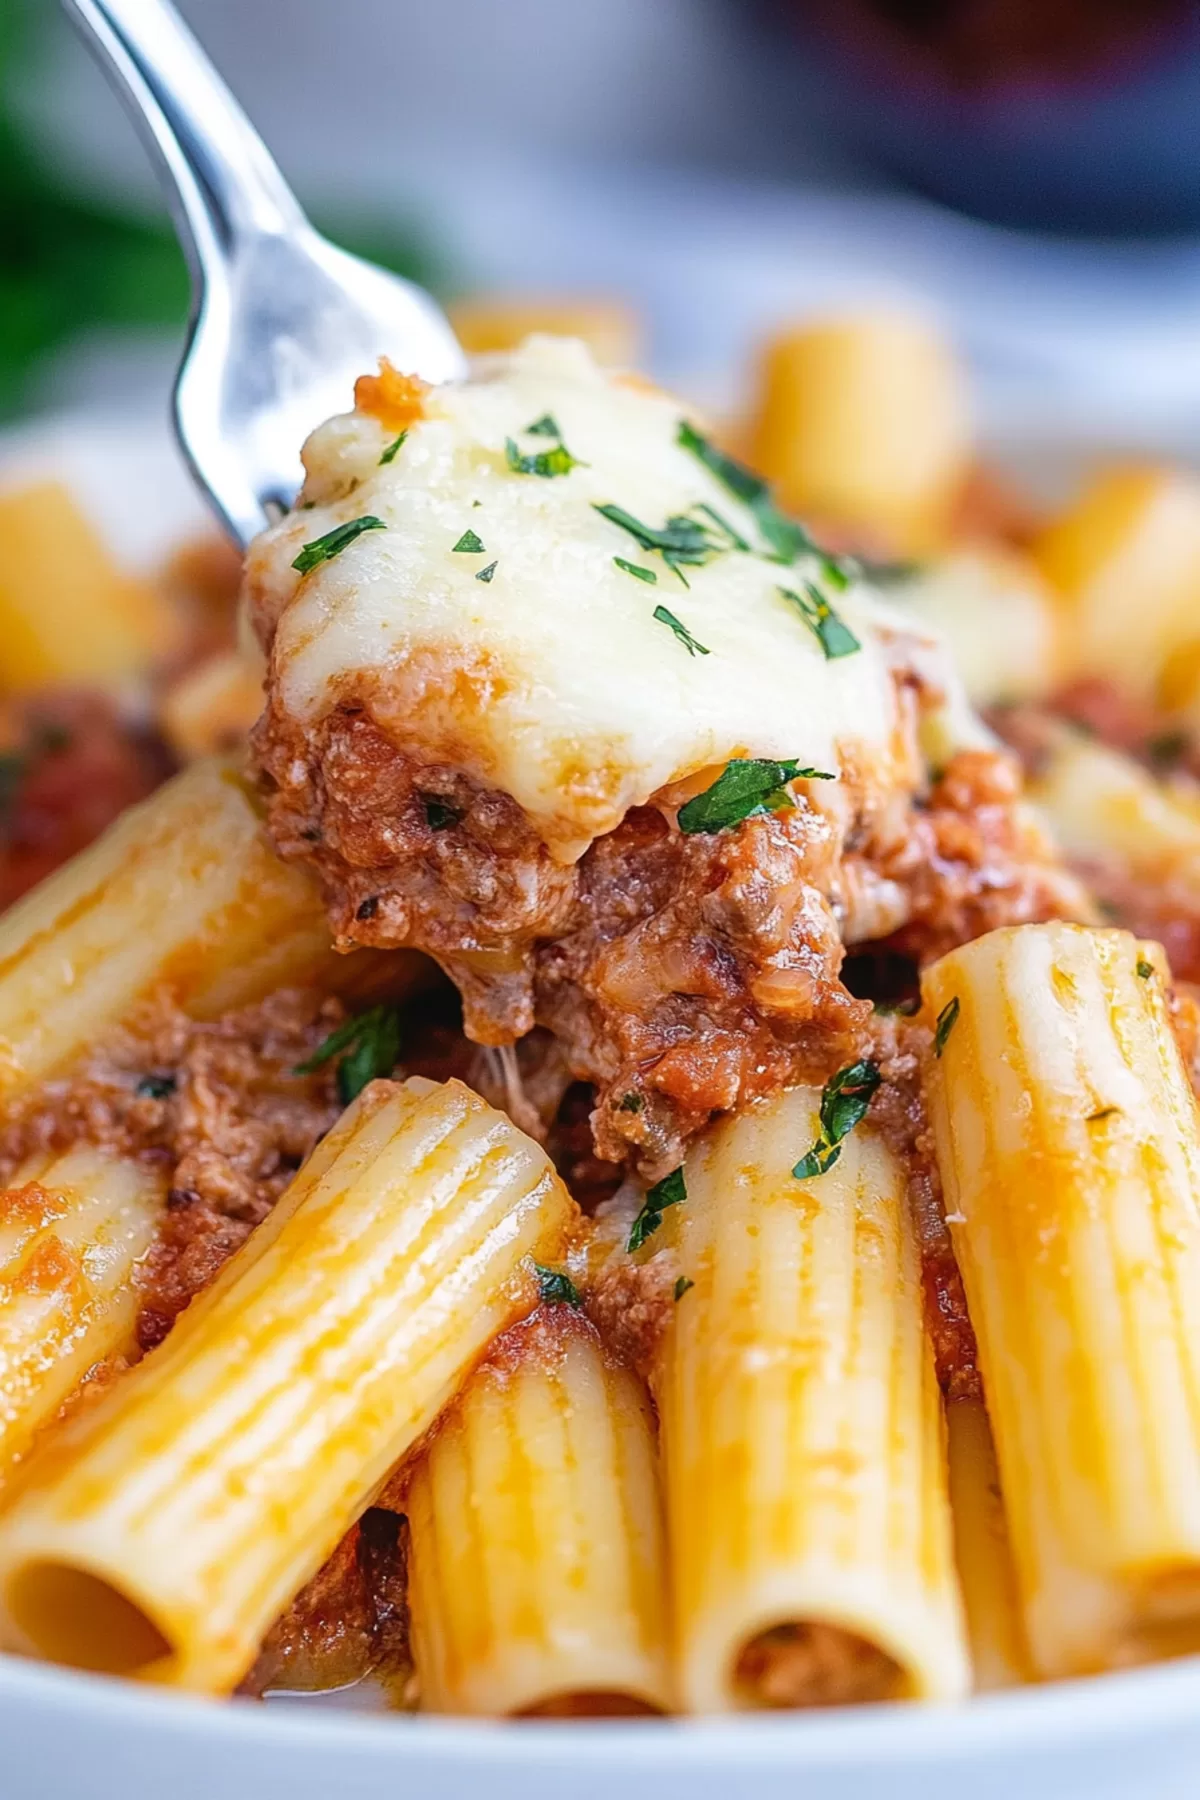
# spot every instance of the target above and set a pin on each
(182, 893)
(538, 1582)
(1066, 1137)
(73, 1229)
(168, 1526)
(1132, 536)
(982, 1552)
(863, 423)
(67, 614)
(808, 1521)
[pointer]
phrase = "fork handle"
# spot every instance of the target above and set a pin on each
(221, 181)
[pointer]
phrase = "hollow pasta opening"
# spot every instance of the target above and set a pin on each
(813, 1664)
(73, 1617)
(599, 1705)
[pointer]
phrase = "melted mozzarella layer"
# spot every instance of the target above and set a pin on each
(553, 680)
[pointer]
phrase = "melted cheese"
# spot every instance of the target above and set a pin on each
(553, 680)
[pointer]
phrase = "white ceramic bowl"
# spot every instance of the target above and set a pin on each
(73, 1737)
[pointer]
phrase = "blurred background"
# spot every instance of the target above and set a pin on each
(1027, 170)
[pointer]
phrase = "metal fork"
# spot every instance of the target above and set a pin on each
(282, 320)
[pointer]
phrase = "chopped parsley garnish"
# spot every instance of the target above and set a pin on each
(440, 815)
(844, 1101)
(947, 1019)
(557, 1288)
(744, 788)
(546, 426)
(486, 574)
(681, 1287)
(831, 632)
(736, 540)
(692, 645)
(557, 461)
(786, 538)
(155, 1087)
(635, 569)
(1145, 970)
(682, 542)
(470, 543)
(631, 1103)
(670, 1191)
(324, 549)
(389, 454)
(369, 1047)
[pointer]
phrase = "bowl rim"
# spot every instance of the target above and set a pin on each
(1086, 1712)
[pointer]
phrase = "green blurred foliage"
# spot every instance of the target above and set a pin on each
(70, 262)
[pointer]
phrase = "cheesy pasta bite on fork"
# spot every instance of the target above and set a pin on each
(557, 694)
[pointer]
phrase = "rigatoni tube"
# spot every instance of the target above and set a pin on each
(537, 1564)
(183, 892)
(72, 1230)
(982, 1552)
(1108, 811)
(1066, 1136)
(805, 1473)
(166, 1528)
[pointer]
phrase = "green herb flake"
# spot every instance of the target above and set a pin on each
(681, 1287)
(947, 1019)
(546, 426)
(547, 463)
(1145, 970)
(369, 1047)
(470, 544)
(786, 538)
(844, 1101)
(736, 540)
(324, 549)
(692, 645)
(155, 1087)
(390, 453)
(486, 574)
(440, 814)
(635, 569)
(745, 787)
(670, 1191)
(631, 1103)
(681, 542)
(556, 1287)
(830, 630)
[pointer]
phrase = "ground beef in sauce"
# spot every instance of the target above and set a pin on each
(217, 1104)
(70, 763)
(349, 1621)
(971, 862)
(684, 976)
(815, 1665)
(898, 1045)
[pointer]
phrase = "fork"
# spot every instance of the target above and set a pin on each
(282, 320)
